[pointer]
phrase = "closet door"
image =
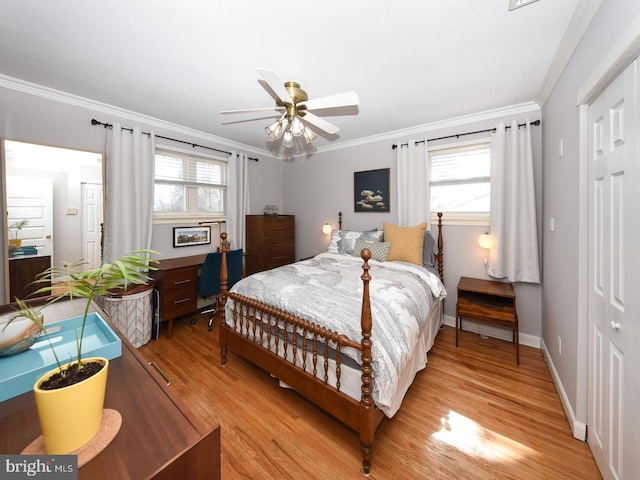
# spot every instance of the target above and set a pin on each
(614, 330)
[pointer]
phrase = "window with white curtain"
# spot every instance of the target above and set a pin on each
(189, 186)
(460, 181)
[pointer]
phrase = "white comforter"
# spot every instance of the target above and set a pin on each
(327, 290)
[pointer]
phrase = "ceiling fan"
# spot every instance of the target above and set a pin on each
(295, 110)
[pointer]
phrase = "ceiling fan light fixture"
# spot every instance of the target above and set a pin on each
(275, 129)
(297, 127)
(288, 139)
(308, 135)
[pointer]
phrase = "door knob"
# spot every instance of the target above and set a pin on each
(48, 237)
(615, 325)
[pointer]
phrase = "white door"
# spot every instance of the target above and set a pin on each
(31, 198)
(614, 326)
(91, 224)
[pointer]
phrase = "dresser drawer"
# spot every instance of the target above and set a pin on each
(179, 292)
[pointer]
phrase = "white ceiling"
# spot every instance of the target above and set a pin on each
(411, 62)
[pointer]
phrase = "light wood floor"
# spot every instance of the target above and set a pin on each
(471, 414)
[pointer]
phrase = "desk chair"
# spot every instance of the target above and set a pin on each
(209, 278)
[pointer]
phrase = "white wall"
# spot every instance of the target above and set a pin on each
(564, 260)
(317, 188)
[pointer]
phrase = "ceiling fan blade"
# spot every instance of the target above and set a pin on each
(250, 110)
(345, 99)
(320, 123)
(277, 85)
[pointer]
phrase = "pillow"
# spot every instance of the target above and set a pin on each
(379, 250)
(428, 258)
(407, 243)
(344, 241)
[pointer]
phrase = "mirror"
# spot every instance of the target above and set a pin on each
(53, 200)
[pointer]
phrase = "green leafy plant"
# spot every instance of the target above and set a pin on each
(16, 227)
(86, 285)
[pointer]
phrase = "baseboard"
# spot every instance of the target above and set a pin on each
(495, 332)
(578, 429)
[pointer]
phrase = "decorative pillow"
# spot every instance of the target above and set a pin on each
(379, 250)
(344, 241)
(428, 259)
(407, 243)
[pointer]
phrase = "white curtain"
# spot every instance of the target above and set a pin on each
(237, 199)
(514, 255)
(129, 177)
(412, 185)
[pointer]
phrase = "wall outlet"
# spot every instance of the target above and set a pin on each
(559, 344)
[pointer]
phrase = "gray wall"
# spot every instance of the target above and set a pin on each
(317, 188)
(31, 118)
(564, 310)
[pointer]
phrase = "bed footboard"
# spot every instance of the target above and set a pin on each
(304, 355)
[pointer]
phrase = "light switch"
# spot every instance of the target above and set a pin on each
(72, 211)
(552, 224)
(560, 148)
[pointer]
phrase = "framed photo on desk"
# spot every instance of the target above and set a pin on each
(189, 236)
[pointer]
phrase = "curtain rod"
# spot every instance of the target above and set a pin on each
(458, 135)
(193, 145)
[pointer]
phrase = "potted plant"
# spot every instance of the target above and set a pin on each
(14, 230)
(70, 398)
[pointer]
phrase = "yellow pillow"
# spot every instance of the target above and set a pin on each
(406, 242)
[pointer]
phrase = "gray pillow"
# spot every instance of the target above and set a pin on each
(379, 250)
(344, 241)
(428, 258)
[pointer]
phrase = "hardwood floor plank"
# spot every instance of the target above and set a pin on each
(471, 414)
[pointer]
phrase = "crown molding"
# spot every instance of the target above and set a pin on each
(580, 20)
(23, 86)
(82, 102)
(509, 111)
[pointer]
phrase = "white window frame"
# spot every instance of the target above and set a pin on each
(191, 215)
(461, 218)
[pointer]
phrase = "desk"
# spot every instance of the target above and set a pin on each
(489, 302)
(159, 437)
(176, 280)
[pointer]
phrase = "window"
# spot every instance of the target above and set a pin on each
(189, 186)
(460, 180)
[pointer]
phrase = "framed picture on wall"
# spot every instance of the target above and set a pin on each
(189, 236)
(371, 190)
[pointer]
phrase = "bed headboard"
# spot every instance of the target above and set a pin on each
(438, 254)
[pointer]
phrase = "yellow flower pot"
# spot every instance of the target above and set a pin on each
(71, 416)
(16, 241)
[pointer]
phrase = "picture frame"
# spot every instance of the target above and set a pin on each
(371, 191)
(190, 236)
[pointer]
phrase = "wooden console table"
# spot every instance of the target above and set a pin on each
(159, 437)
(176, 280)
(489, 302)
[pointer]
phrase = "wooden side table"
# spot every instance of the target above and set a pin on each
(489, 302)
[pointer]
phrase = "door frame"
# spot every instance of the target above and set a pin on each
(619, 57)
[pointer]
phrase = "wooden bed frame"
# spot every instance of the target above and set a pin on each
(257, 324)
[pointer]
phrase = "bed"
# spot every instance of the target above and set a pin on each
(300, 323)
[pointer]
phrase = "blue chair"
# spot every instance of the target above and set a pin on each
(209, 278)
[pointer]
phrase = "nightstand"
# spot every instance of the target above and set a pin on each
(489, 302)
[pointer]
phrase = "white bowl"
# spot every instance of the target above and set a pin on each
(17, 336)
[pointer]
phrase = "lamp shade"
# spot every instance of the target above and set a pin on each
(485, 240)
(327, 229)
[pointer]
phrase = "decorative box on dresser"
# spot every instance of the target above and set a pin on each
(270, 242)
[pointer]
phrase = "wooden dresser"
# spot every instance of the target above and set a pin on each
(159, 438)
(23, 271)
(270, 242)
